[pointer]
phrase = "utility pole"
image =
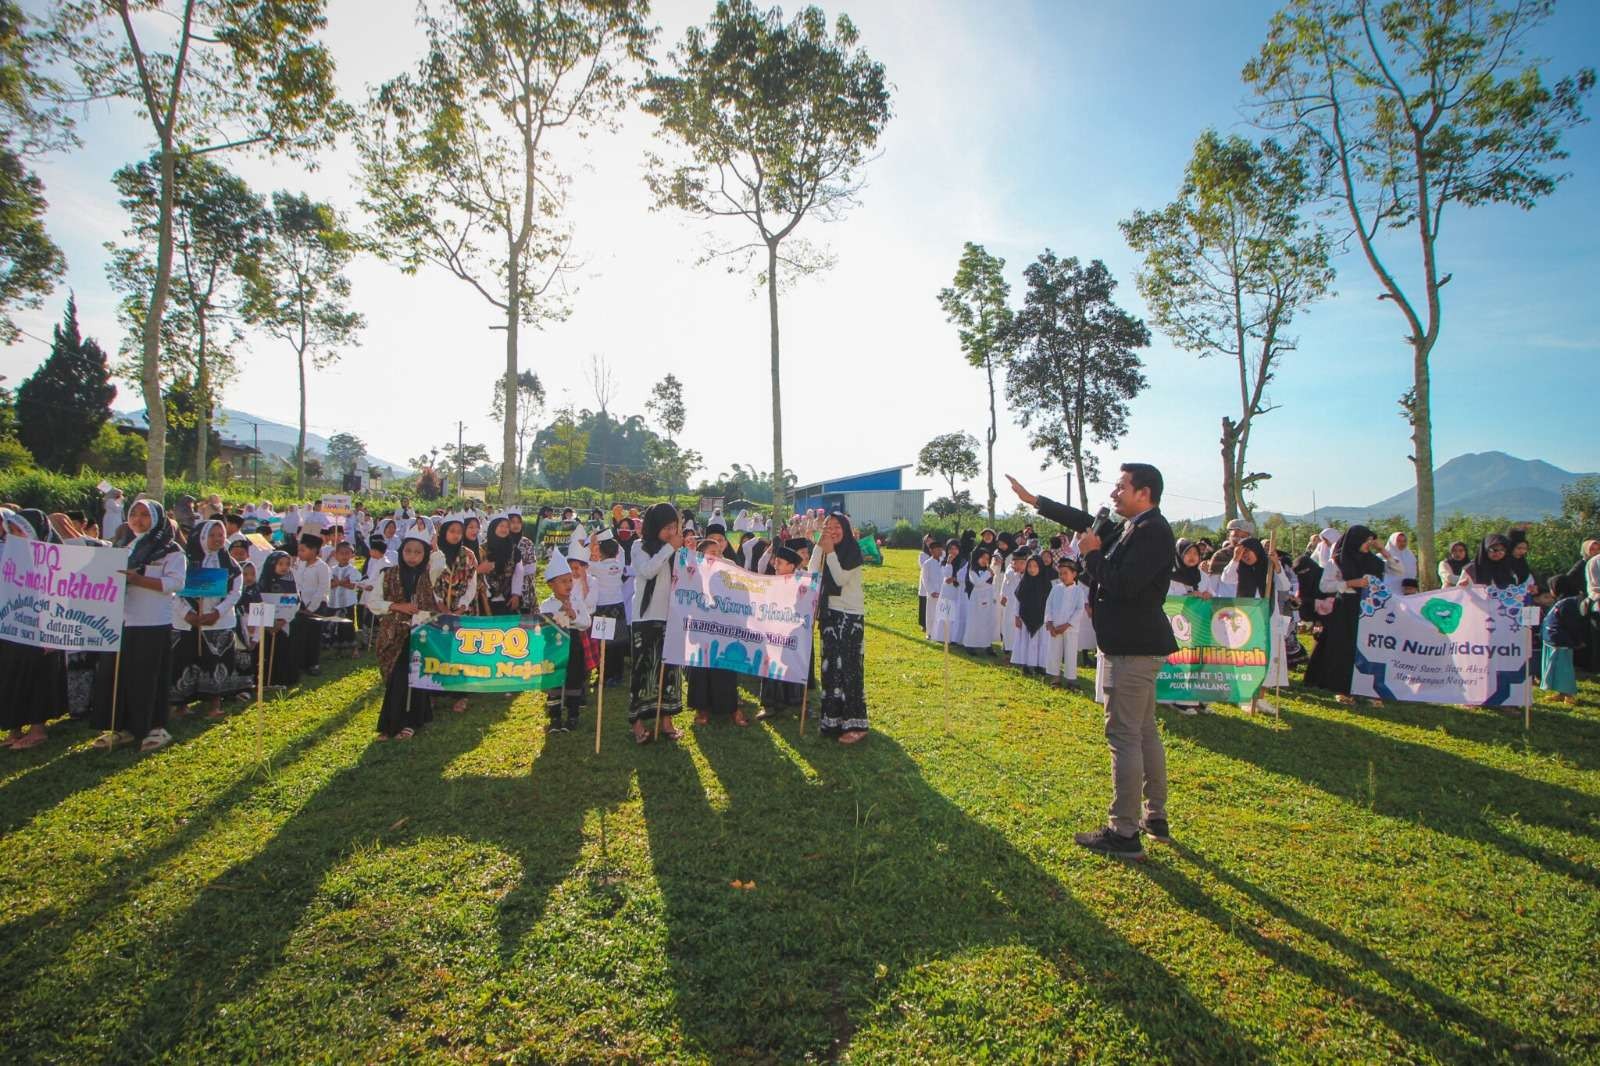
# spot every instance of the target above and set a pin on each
(461, 428)
(255, 431)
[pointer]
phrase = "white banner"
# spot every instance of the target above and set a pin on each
(726, 617)
(1462, 645)
(67, 596)
(336, 504)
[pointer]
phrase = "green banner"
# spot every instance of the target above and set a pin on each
(869, 550)
(1222, 650)
(499, 654)
(552, 534)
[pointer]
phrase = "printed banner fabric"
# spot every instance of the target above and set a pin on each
(67, 596)
(1460, 645)
(1222, 650)
(499, 654)
(726, 617)
(205, 582)
(552, 535)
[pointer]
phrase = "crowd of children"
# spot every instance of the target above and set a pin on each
(352, 584)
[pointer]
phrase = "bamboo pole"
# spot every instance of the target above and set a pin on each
(661, 683)
(261, 671)
(116, 677)
(600, 697)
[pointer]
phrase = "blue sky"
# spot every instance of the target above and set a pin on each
(1020, 126)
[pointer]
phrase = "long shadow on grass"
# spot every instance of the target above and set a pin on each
(1571, 735)
(860, 866)
(36, 941)
(1429, 1019)
(1399, 779)
(243, 930)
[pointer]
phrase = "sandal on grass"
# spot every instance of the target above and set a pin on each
(31, 739)
(739, 719)
(107, 741)
(155, 740)
(855, 736)
(405, 734)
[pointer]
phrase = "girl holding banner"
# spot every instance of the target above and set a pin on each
(404, 590)
(1351, 568)
(33, 681)
(843, 612)
(202, 627)
(132, 688)
(655, 687)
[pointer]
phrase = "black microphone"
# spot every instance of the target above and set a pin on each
(1102, 523)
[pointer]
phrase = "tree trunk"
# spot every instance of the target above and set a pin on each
(1422, 443)
(155, 467)
(988, 365)
(300, 471)
(777, 400)
(202, 388)
(509, 468)
(1083, 486)
(1230, 481)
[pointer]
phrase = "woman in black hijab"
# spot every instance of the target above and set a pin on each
(843, 614)
(1517, 560)
(1186, 576)
(143, 682)
(1351, 570)
(1492, 565)
(1454, 564)
(499, 566)
(276, 579)
(1250, 559)
(202, 630)
(1033, 595)
(655, 682)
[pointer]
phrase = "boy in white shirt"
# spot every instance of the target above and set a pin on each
(565, 608)
(606, 576)
(344, 584)
(311, 582)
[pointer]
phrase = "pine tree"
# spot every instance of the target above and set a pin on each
(61, 408)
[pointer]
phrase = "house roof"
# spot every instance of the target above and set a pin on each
(802, 489)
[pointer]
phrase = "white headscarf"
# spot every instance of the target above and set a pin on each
(1325, 542)
(1404, 558)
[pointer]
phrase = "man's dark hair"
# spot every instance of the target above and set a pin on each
(1145, 476)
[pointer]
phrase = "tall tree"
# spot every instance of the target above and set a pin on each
(977, 303)
(951, 456)
(215, 219)
(1226, 267)
(1074, 362)
(346, 452)
(1415, 106)
(63, 404)
(208, 76)
(30, 262)
(776, 120)
(296, 291)
(672, 414)
(188, 422)
(567, 449)
(529, 405)
(457, 157)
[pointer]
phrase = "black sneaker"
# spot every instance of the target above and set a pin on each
(1108, 841)
(314, 671)
(553, 728)
(1157, 829)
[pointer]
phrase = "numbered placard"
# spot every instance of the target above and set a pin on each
(1530, 616)
(259, 615)
(947, 609)
(603, 628)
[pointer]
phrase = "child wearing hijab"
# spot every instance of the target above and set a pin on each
(955, 587)
(1063, 613)
(1032, 641)
(1247, 577)
(202, 629)
(1564, 630)
(1188, 580)
(1399, 565)
(778, 696)
(1351, 570)
(33, 681)
(843, 609)
(498, 567)
(654, 680)
(566, 609)
(454, 566)
(275, 585)
(943, 589)
(978, 634)
(1454, 565)
(403, 591)
(155, 573)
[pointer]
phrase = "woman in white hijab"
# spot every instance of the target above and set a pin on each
(1399, 565)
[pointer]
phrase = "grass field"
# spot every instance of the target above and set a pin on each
(1405, 883)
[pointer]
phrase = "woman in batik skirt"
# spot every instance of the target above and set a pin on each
(843, 611)
(655, 687)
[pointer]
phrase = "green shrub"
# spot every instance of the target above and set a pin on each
(14, 456)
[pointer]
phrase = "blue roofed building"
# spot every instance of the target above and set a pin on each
(876, 498)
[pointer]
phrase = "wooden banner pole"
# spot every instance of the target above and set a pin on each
(116, 677)
(661, 684)
(261, 678)
(600, 697)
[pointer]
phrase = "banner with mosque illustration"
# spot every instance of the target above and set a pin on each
(503, 653)
(724, 616)
(1460, 645)
(1222, 650)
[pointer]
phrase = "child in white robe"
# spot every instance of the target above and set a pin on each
(1008, 599)
(929, 582)
(1062, 614)
(979, 631)
(1032, 642)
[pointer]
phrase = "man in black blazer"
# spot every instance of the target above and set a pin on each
(1130, 570)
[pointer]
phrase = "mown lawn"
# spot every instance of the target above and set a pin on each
(1408, 883)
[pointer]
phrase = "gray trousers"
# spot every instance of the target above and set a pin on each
(1138, 760)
